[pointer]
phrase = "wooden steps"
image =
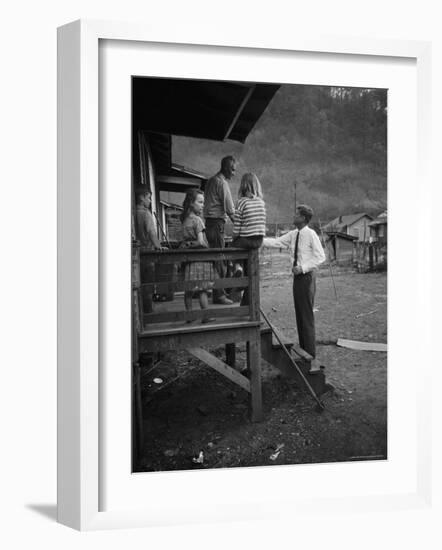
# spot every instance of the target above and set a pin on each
(273, 353)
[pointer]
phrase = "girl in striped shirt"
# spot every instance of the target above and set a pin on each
(250, 219)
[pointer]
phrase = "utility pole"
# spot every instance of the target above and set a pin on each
(329, 262)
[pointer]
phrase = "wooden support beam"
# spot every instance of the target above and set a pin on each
(239, 111)
(253, 276)
(193, 255)
(221, 367)
(229, 327)
(137, 411)
(153, 340)
(231, 354)
(254, 366)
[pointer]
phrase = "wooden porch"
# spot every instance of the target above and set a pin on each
(170, 327)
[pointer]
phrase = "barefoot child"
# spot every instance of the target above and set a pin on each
(250, 220)
(194, 237)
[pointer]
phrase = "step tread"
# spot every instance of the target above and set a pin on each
(288, 343)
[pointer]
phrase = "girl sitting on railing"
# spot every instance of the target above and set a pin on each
(250, 221)
(194, 237)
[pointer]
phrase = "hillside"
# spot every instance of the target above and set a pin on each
(330, 141)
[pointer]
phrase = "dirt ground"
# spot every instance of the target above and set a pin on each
(198, 410)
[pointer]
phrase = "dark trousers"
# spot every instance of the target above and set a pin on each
(304, 289)
(215, 239)
(249, 243)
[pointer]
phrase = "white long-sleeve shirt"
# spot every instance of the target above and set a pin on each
(310, 252)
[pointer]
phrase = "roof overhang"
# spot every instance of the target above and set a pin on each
(341, 235)
(177, 184)
(179, 179)
(199, 108)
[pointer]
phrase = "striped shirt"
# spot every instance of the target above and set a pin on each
(250, 217)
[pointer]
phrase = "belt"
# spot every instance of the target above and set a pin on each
(309, 273)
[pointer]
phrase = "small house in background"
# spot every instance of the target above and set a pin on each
(340, 247)
(354, 225)
(378, 229)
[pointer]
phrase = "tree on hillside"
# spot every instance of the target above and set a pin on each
(331, 140)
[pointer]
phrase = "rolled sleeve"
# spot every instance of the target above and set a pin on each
(286, 241)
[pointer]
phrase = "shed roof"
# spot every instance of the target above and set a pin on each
(340, 235)
(180, 169)
(378, 221)
(341, 222)
(171, 205)
(381, 219)
(179, 178)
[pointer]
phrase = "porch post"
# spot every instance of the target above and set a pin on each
(254, 344)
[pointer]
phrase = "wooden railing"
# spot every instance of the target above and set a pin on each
(166, 270)
(166, 330)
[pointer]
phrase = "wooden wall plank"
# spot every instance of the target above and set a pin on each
(189, 255)
(177, 286)
(218, 313)
(153, 342)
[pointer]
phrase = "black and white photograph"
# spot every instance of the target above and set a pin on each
(259, 274)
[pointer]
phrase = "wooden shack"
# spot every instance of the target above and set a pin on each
(211, 110)
(354, 225)
(340, 247)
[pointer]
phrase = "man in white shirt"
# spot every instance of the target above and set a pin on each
(308, 254)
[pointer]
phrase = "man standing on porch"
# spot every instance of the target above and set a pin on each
(308, 254)
(218, 205)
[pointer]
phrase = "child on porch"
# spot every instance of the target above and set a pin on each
(194, 237)
(249, 222)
